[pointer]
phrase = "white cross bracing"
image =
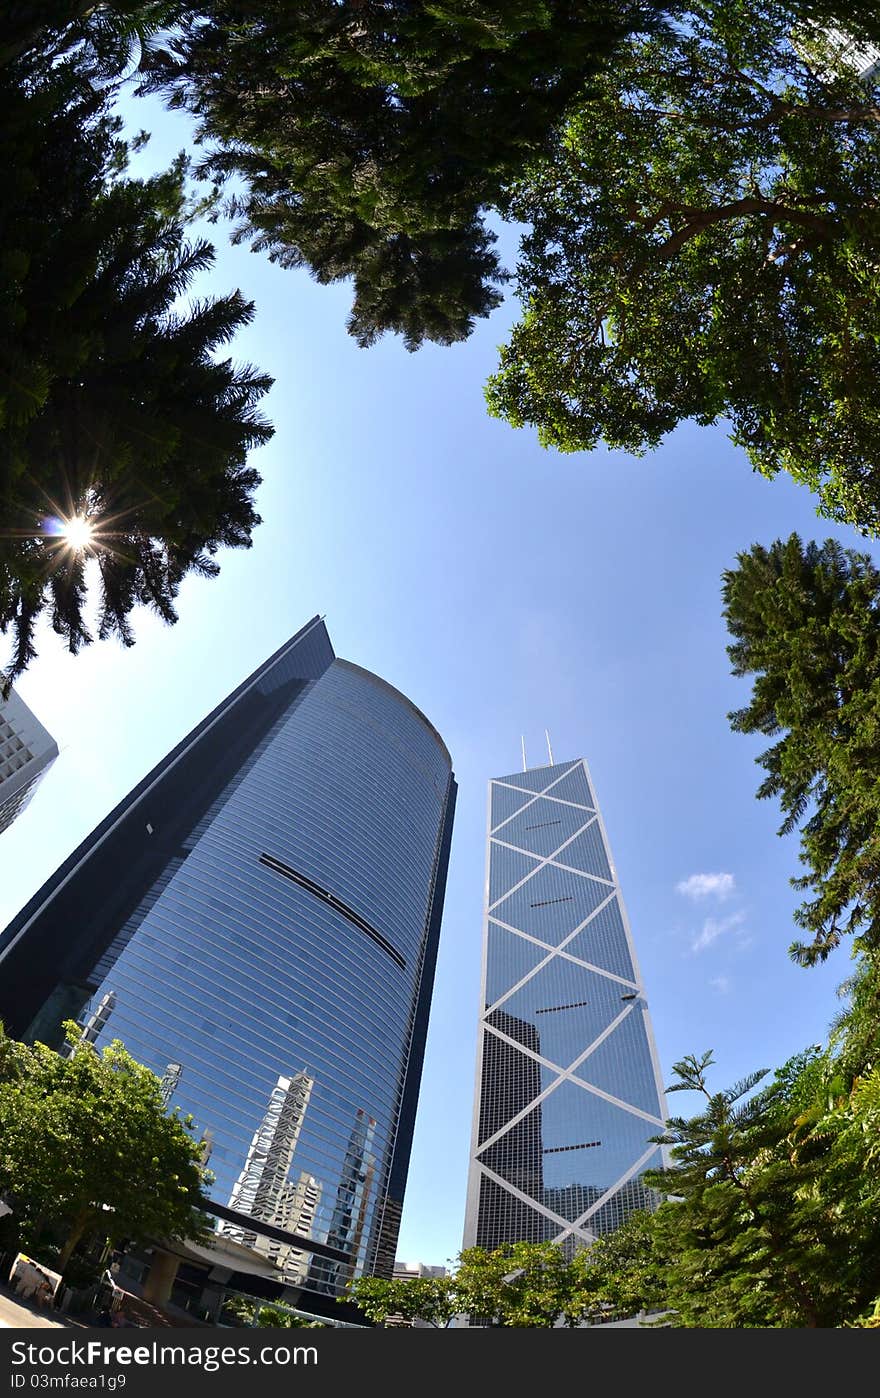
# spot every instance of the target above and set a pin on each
(576, 1072)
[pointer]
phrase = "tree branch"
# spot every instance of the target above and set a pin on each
(738, 208)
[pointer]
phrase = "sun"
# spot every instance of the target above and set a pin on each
(77, 533)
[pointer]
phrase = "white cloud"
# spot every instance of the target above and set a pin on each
(714, 927)
(721, 984)
(707, 886)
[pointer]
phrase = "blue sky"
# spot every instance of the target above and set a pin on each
(506, 590)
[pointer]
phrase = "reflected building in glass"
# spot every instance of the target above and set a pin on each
(568, 1089)
(261, 1189)
(258, 922)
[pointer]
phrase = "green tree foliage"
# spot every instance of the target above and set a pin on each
(87, 1150)
(805, 622)
(242, 1311)
(754, 1251)
(705, 245)
(519, 1285)
(522, 1285)
(369, 138)
(114, 404)
(430, 1299)
(869, 1322)
(855, 1032)
(111, 34)
(770, 1219)
(627, 1272)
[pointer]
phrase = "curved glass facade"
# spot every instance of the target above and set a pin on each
(568, 1086)
(277, 973)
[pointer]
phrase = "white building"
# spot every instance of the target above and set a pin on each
(407, 1271)
(863, 57)
(569, 1094)
(26, 752)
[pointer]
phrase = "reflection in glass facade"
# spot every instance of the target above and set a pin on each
(568, 1084)
(274, 894)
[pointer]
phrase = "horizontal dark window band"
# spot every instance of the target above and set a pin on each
(554, 1009)
(583, 1145)
(269, 1230)
(541, 824)
(547, 901)
(326, 896)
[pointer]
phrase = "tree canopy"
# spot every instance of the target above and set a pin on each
(770, 1219)
(87, 1149)
(805, 622)
(704, 244)
(370, 138)
(111, 33)
(114, 405)
(534, 1285)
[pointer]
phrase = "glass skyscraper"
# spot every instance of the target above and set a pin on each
(568, 1089)
(258, 923)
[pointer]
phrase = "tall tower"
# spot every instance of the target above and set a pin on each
(568, 1088)
(262, 1186)
(26, 753)
(258, 922)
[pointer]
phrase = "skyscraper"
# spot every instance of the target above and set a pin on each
(568, 1087)
(27, 751)
(258, 922)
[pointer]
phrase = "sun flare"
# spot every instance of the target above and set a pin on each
(77, 532)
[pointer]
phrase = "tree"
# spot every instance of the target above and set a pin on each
(705, 245)
(627, 1271)
(805, 622)
(525, 1284)
(87, 1148)
(243, 1311)
(111, 32)
(855, 1032)
(369, 138)
(749, 1231)
(870, 1322)
(516, 1285)
(770, 1215)
(430, 1299)
(115, 409)
(769, 1220)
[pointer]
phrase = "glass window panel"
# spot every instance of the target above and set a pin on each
(544, 826)
(509, 958)
(587, 852)
(537, 778)
(505, 802)
(506, 1219)
(603, 942)
(506, 868)
(551, 904)
(568, 1007)
(574, 787)
(622, 1065)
